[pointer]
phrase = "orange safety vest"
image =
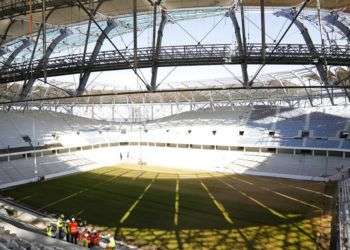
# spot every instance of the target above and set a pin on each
(73, 227)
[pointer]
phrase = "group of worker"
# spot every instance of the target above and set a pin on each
(77, 233)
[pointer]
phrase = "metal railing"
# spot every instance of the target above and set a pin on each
(184, 55)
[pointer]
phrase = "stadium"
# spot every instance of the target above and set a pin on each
(173, 124)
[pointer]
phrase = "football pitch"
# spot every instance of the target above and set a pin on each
(173, 209)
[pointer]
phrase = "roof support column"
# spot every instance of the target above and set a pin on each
(320, 66)
(156, 52)
(306, 90)
(263, 29)
(29, 69)
(4, 35)
(27, 87)
(85, 76)
(232, 15)
(25, 44)
(93, 12)
(333, 19)
(244, 38)
(135, 32)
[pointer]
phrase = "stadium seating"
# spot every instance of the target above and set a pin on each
(241, 127)
(43, 128)
(245, 126)
(259, 125)
(28, 240)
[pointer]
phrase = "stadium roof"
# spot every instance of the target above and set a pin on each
(18, 20)
(14, 15)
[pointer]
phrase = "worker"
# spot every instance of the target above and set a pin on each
(67, 230)
(49, 231)
(85, 239)
(95, 238)
(111, 244)
(60, 227)
(80, 239)
(73, 229)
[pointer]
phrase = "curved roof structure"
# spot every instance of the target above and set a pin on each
(15, 14)
(24, 62)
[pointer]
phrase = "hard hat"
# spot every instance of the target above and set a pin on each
(62, 215)
(67, 221)
(73, 219)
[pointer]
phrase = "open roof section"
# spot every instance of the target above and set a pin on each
(14, 13)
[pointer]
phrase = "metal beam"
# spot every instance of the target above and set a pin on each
(25, 44)
(154, 32)
(244, 38)
(93, 13)
(177, 90)
(27, 86)
(156, 53)
(29, 69)
(92, 18)
(85, 76)
(333, 19)
(43, 22)
(3, 51)
(280, 40)
(232, 15)
(320, 66)
(306, 90)
(4, 35)
(134, 6)
(181, 55)
(263, 29)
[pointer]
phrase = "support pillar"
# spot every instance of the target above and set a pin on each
(25, 44)
(27, 86)
(156, 52)
(263, 29)
(320, 66)
(333, 19)
(85, 77)
(232, 15)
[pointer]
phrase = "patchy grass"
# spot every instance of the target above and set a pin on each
(174, 209)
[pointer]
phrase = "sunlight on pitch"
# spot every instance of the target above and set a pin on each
(127, 214)
(217, 204)
(278, 193)
(272, 211)
(177, 203)
(82, 191)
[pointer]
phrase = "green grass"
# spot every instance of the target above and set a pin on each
(183, 210)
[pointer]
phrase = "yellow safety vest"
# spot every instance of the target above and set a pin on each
(60, 223)
(111, 242)
(49, 231)
(66, 228)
